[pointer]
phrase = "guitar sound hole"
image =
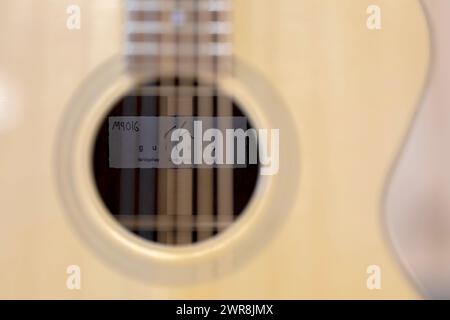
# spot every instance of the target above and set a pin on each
(153, 198)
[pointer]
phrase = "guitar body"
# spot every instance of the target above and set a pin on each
(342, 96)
(417, 195)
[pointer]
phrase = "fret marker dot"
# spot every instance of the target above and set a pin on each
(178, 18)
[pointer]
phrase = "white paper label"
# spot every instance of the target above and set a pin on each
(149, 142)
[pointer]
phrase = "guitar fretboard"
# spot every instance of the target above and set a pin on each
(179, 35)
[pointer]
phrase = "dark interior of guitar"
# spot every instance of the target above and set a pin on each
(141, 199)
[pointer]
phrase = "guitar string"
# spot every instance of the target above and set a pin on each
(205, 176)
(223, 184)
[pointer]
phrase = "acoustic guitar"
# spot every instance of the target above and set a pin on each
(85, 107)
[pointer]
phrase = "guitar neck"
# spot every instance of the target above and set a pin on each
(178, 36)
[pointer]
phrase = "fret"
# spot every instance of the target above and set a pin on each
(168, 5)
(156, 27)
(174, 49)
(189, 35)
